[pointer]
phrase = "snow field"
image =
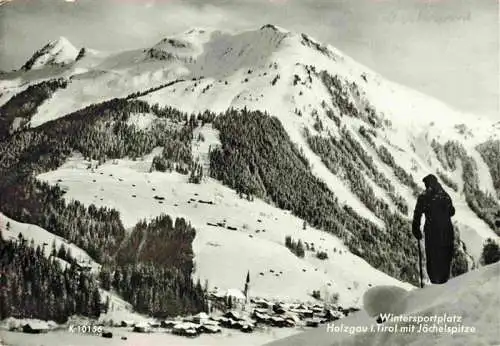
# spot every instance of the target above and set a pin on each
(223, 256)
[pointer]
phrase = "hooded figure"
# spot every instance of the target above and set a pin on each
(438, 209)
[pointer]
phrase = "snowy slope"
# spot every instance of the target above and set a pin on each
(223, 256)
(416, 119)
(43, 238)
(119, 309)
(58, 52)
(472, 297)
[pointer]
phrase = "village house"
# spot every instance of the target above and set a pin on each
(141, 328)
(36, 327)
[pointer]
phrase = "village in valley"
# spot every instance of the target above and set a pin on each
(228, 310)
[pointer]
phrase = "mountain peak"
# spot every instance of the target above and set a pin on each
(274, 28)
(60, 41)
(196, 31)
(57, 52)
(184, 46)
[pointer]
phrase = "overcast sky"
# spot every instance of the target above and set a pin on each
(446, 48)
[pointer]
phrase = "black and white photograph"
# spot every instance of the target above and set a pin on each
(249, 172)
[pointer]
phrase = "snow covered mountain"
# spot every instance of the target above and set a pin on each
(58, 52)
(367, 142)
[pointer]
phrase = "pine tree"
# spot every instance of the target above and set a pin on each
(62, 252)
(491, 252)
(300, 249)
(95, 303)
(105, 278)
(53, 251)
(117, 278)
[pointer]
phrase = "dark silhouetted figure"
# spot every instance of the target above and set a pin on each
(438, 209)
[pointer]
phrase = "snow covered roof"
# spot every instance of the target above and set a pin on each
(235, 293)
(38, 325)
(210, 323)
(292, 316)
(141, 325)
(218, 293)
(212, 328)
(202, 315)
(261, 315)
(186, 325)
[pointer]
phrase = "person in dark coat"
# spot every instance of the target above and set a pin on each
(438, 209)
